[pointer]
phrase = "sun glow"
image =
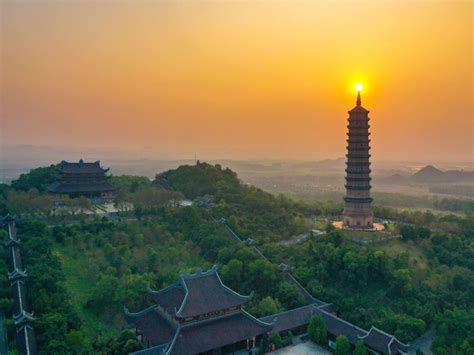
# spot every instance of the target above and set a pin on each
(358, 87)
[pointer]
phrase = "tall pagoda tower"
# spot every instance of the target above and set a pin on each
(358, 203)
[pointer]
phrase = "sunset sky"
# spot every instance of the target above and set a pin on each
(266, 79)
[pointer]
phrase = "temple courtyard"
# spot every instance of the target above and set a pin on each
(301, 349)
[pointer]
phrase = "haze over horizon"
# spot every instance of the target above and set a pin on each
(238, 80)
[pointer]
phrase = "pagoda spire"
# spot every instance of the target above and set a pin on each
(359, 101)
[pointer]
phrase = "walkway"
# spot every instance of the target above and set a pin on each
(423, 343)
(307, 348)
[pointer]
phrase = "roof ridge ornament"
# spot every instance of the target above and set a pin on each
(359, 101)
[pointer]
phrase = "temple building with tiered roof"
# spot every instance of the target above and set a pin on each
(195, 315)
(82, 179)
(198, 314)
(358, 203)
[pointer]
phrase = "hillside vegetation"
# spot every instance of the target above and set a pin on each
(91, 270)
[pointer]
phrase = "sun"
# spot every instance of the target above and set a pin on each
(358, 87)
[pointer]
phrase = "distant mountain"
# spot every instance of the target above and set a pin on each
(430, 174)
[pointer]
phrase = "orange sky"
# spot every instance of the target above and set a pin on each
(247, 79)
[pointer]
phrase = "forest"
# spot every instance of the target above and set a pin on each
(84, 272)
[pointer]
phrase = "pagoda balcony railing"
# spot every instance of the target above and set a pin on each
(354, 170)
(361, 188)
(358, 179)
(361, 160)
(64, 174)
(358, 147)
(357, 176)
(358, 132)
(358, 164)
(358, 140)
(358, 200)
(355, 126)
(358, 120)
(358, 156)
(353, 135)
(82, 182)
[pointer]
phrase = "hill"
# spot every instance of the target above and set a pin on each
(430, 174)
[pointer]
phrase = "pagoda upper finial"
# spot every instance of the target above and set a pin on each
(358, 88)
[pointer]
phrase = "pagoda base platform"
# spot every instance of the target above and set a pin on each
(375, 228)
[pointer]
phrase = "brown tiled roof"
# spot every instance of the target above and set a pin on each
(205, 293)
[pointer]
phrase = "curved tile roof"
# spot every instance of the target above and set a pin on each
(205, 293)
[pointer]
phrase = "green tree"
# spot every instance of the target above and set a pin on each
(360, 348)
(454, 334)
(289, 296)
(76, 342)
(408, 232)
(423, 232)
(232, 273)
(343, 347)
(276, 339)
(401, 282)
(317, 330)
(267, 306)
(263, 275)
(38, 178)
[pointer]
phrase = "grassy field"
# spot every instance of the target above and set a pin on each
(80, 285)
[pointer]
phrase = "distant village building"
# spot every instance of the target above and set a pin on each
(198, 314)
(358, 203)
(82, 179)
